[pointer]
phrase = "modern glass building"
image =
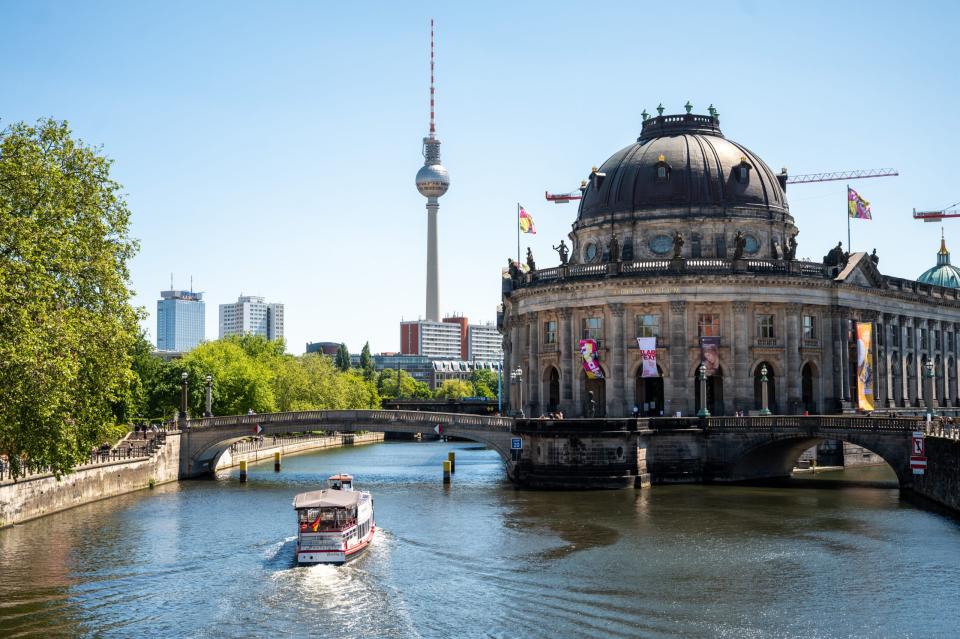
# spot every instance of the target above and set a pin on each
(180, 320)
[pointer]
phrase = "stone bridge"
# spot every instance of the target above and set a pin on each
(206, 439)
(591, 453)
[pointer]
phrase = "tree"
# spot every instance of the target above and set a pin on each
(240, 381)
(484, 383)
(453, 389)
(366, 362)
(409, 387)
(342, 360)
(66, 324)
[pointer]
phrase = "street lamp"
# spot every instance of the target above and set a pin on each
(928, 387)
(703, 391)
(764, 408)
(209, 404)
(183, 395)
(517, 376)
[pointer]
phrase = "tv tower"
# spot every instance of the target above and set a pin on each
(432, 182)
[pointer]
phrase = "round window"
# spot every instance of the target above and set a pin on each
(590, 252)
(661, 244)
(751, 245)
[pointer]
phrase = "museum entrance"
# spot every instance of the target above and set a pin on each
(598, 406)
(758, 389)
(808, 387)
(553, 392)
(650, 394)
(714, 392)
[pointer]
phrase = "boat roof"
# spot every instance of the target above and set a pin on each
(340, 477)
(326, 499)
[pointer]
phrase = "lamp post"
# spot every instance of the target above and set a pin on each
(183, 395)
(209, 403)
(703, 391)
(517, 376)
(765, 401)
(928, 387)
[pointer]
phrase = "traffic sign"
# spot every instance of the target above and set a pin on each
(917, 447)
(516, 443)
(438, 429)
(918, 464)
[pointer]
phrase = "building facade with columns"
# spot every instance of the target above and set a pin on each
(686, 235)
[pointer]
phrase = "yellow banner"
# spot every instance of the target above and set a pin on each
(865, 365)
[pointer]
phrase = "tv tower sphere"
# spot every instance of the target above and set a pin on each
(433, 180)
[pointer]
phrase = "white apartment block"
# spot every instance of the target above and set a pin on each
(484, 343)
(251, 315)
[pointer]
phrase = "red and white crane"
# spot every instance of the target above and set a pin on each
(938, 216)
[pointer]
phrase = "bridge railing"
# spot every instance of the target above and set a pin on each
(816, 422)
(333, 417)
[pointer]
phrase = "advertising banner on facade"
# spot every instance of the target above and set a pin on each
(648, 354)
(710, 354)
(591, 359)
(865, 365)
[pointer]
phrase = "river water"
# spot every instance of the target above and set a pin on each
(215, 558)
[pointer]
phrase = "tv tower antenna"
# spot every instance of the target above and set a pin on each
(432, 182)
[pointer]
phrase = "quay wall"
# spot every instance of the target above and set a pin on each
(941, 481)
(41, 495)
(292, 447)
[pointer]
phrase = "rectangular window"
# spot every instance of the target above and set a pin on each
(809, 327)
(648, 325)
(720, 245)
(895, 336)
(593, 329)
(708, 325)
(550, 332)
(950, 342)
(880, 332)
(695, 245)
(923, 338)
(909, 343)
(765, 326)
(936, 340)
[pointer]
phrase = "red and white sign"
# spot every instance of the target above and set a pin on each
(917, 448)
(918, 464)
(438, 429)
(258, 429)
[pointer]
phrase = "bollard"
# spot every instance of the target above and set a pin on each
(243, 472)
(452, 456)
(276, 462)
(446, 472)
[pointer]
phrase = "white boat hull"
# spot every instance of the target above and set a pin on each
(336, 557)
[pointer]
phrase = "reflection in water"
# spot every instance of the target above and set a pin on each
(479, 558)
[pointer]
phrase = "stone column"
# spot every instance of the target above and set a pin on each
(615, 397)
(792, 360)
(506, 395)
(904, 372)
(516, 360)
(567, 349)
(533, 365)
(840, 380)
(918, 326)
(889, 379)
(743, 388)
(681, 396)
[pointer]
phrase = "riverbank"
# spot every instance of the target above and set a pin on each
(250, 452)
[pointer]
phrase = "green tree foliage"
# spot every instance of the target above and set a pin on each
(366, 362)
(484, 383)
(409, 387)
(66, 324)
(454, 389)
(243, 370)
(342, 360)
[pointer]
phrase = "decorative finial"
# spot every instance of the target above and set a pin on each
(660, 109)
(662, 158)
(593, 169)
(712, 111)
(688, 106)
(644, 115)
(943, 243)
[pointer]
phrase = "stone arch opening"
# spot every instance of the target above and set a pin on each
(594, 395)
(714, 391)
(650, 393)
(810, 388)
(896, 378)
(553, 389)
(771, 388)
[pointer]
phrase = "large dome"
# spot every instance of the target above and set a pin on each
(944, 273)
(682, 165)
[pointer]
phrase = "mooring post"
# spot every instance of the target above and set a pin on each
(446, 471)
(276, 462)
(243, 471)
(452, 456)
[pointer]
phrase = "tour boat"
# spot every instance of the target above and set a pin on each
(335, 524)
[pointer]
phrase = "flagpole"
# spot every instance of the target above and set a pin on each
(849, 250)
(518, 234)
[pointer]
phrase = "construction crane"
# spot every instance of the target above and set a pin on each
(936, 216)
(563, 198)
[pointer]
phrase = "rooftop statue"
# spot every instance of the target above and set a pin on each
(739, 245)
(874, 257)
(614, 249)
(677, 244)
(792, 247)
(530, 262)
(835, 256)
(563, 251)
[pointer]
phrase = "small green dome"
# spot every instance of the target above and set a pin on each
(944, 273)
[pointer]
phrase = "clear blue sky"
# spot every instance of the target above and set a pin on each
(270, 148)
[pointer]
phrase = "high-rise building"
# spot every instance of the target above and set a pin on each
(251, 315)
(452, 338)
(432, 182)
(484, 343)
(180, 320)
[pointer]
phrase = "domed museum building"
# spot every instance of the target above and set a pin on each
(686, 237)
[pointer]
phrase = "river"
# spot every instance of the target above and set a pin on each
(214, 558)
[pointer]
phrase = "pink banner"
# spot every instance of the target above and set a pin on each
(648, 353)
(591, 359)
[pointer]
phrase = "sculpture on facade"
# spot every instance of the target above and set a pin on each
(614, 249)
(792, 248)
(835, 256)
(739, 245)
(677, 244)
(514, 269)
(563, 251)
(530, 263)
(874, 257)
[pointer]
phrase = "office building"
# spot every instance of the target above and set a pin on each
(251, 315)
(180, 320)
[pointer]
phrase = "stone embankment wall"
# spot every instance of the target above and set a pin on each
(41, 495)
(294, 445)
(941, 481)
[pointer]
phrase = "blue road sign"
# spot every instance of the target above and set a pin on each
(516, 443)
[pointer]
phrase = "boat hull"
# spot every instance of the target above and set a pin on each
(335, 557)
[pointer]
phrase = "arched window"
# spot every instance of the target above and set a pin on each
(742, 171)
(662, 169)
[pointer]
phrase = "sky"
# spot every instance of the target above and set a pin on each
(270, 148)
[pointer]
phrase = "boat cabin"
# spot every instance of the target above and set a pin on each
(340, 482)
(327, 510)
